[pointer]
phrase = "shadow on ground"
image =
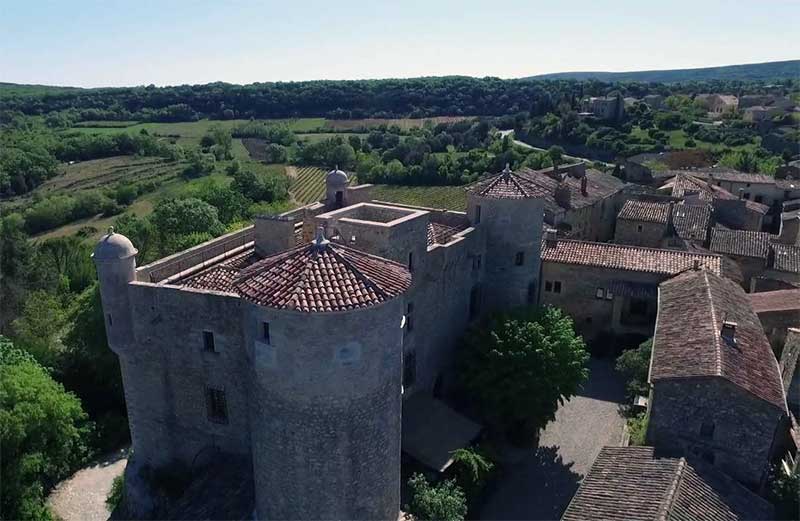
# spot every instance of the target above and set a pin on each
(538, 487)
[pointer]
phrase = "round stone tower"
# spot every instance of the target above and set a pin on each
(336, 188)
(115, 259)
(323, 329)
(510, 210)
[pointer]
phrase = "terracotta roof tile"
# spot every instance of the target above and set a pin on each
(683, 183)
(624, 257)
(787, 258)
(634, 484)
(505, 185)
(599, 186)
(439, 233)
(687, 341)
(220, 277)
(743, 243)
(778, 300)
(312, 279)
(644, 211)
(691, 221)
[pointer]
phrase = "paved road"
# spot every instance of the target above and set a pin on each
(543, 480)
(82, 497)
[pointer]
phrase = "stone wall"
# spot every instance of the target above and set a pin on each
(326, 410)
(639, 233)
(744, 427)
(776, 323)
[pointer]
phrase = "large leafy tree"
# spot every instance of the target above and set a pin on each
(43, 432)
(520, 367)
(173, 219)
(635, 365)
(444, 501)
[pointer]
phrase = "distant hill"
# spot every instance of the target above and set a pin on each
(751, 71)
(19, 89)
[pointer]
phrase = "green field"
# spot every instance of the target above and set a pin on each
(404, 123)
(196, 129)
(447, 197)
(308, 184)
(676, 139)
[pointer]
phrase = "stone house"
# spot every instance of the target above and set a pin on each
(655, 101)
(643, 223)
(608, 108)
(749, 250)
(717, 103)
(610, 287)
(291, 345)
(639, 484)
(716, 389)
(778, 311)
(782, 271)
(579, 202)
(767, 100)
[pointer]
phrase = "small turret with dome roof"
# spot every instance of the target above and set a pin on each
(336, 182)
(115, 259)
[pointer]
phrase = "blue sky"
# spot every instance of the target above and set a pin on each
(138, 42)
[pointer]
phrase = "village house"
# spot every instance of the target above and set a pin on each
(611, 287)
(658, 224)
(782, 270)
(579, 202)
(638, 484)
(778, 311)
(765, 100)
(654, 101)
(607, 108)
(717, 103)
(739, 213)
(717, 392)
(749, 250)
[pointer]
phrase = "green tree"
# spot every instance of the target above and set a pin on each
(471, 469)
(521, 366)
(230, 204)
(43, 432)
(141, 233)
(556, 155)
(175, 218)
(39, 327)
(784, 491)
(441, 502)
(635, 365)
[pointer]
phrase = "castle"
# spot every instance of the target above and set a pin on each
(292, 344)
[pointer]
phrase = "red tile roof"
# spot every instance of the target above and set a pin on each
(624, 257)
(313, 278)
(439, 233)
(691, 221)
(634, 484)
(743, 243)
(599, 186)
(687, 341)
(506, 185)
(779, 300)
(683, 183)
(787, 258)
(220, 277)
(645, 211)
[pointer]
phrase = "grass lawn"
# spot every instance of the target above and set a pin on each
(676, 139)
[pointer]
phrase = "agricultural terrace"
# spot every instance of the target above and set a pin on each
(447, 197)
(308, 184)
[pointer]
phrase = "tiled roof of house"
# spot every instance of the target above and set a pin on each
(687, 340)
(599, 186)
(779, 300)
(634, 484)
(645, 211)
(505, 185)
(320, 277)
(624, 257)
(691, 221)
(743, 243)
(439, 233)
(728, 174)
(787, 258)
(683, 183)
(220, 277)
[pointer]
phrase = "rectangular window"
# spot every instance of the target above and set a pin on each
(599, 293)
(409, 317)
(746, 195)
(548, 286)
(265, 332)
(638, 227)
(409, 369)
(410, 261)
(519, 258)
(474, 302)
(532, 293)
(208, 342)
(557, 287)
(216, 406)
(609, 295)
(759, 199)
(477, 214)
(110, 322)
(476, 262)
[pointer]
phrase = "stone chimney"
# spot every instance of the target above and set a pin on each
(790, 228)
(696, 264)
(741, 193)
(728, 332)
(562, 195)
(584, 186)
(551, 237)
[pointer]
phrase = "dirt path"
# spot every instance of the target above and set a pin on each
(82, 497)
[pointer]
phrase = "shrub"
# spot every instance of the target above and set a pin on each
(442, 502)
(471, 469)
(117, 493)
(635, 365)
(637, 428)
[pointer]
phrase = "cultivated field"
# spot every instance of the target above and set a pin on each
(404, 124)
(448, 197)
(308, 184)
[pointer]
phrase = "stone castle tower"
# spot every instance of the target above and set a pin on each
(511, 211)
